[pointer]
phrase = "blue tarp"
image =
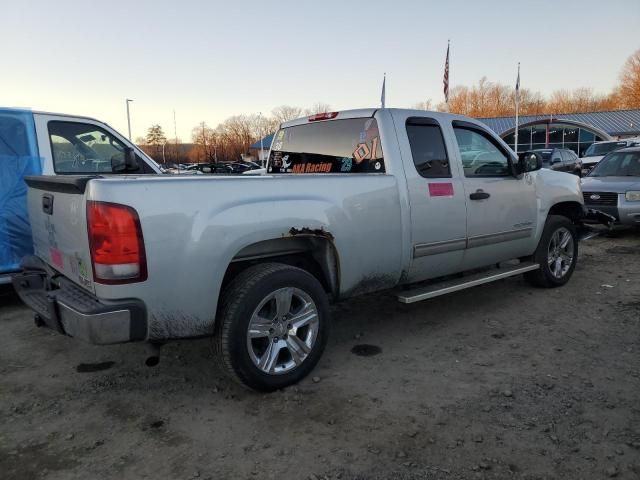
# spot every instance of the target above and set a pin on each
(18, 158)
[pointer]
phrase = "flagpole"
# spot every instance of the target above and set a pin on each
(446, 77)
(517, 102)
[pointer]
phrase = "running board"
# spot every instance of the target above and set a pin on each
(449, 286)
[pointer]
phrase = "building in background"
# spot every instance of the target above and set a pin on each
(254, 148)
(575, 131)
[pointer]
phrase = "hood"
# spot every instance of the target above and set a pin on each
(590, 160)
(610, 184)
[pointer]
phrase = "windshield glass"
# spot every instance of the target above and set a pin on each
(603, 148)
(335, 146)
(619, 164)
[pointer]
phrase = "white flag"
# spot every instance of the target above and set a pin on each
(383, 94)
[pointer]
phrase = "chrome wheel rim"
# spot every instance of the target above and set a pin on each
(282, 331)
(560, 252)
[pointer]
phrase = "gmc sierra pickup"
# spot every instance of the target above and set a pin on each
(357, 201)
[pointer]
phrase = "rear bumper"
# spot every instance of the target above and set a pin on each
(63, 306)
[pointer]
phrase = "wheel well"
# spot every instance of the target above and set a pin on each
(314, 253)
(571, 210)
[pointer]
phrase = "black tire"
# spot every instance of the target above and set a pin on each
(239, 301)
(543, 277)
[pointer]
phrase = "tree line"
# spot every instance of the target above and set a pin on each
(490, 99)
(231, 138)
(225, 142)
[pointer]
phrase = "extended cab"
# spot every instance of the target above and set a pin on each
(358, 201)
(34, 143)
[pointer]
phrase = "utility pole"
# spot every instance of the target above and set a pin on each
(129, 117)
(260, 133)
(175, 134)
(204, 143)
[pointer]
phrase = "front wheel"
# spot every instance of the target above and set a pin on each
(557, 253)
(272, 326)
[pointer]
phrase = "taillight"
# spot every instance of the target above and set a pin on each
(116, 243)
(323, 116)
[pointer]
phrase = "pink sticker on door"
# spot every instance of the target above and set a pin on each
(441, 189)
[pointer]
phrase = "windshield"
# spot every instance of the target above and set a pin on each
(618, 164)
(603, 148)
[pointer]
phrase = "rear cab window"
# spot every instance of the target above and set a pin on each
(428, 148)
(334, 146)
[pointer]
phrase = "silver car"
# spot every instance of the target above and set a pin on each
(613, 186)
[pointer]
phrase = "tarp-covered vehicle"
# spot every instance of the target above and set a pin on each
(18, 157)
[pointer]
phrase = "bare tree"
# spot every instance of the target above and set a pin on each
(629, 90)
(284, 113)
(204, 138)
(317, 107)
(425, 105)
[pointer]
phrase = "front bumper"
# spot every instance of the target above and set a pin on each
(68, 309)
(625, 213)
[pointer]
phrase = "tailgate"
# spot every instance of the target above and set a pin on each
(57, 212)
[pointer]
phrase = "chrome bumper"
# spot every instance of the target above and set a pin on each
(63, 306)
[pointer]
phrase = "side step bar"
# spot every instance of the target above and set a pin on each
(449, 286)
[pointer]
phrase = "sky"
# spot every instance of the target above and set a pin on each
(208, 60)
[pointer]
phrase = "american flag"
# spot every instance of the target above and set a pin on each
(445, 80)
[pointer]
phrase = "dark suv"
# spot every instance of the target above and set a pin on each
(560, 159)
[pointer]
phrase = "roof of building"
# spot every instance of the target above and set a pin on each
(266, 142)
(620, 122)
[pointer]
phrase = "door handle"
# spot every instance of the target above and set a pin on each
(47, 203)
(479, 195)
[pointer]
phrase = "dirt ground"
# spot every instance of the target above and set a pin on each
(500, 381)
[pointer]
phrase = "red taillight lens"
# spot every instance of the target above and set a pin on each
(117, 246)
(323, 116)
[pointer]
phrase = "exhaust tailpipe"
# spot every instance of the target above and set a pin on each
(153, 354)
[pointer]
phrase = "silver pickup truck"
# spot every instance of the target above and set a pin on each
(355, 202)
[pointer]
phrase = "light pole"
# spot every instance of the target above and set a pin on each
(164, 160)
(129, 117)
(260, 133)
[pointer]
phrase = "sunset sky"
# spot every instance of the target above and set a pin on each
(209, 60)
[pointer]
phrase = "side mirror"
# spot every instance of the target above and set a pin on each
(528, 162)
(130, 160)
(125, 162)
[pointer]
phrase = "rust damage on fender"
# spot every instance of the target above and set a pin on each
(320, 232)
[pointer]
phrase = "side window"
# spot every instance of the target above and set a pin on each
(79, 148)
(481, 157)
(428, 148)
(556, 157)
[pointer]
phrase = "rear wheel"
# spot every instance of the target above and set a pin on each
(557, 253)
(272, 326)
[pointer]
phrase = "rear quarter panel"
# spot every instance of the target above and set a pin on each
(193, 227)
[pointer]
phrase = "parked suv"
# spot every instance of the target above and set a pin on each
(613, 186)
(598, 150)
(560, 159)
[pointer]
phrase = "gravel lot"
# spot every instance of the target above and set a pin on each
(501, 381)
